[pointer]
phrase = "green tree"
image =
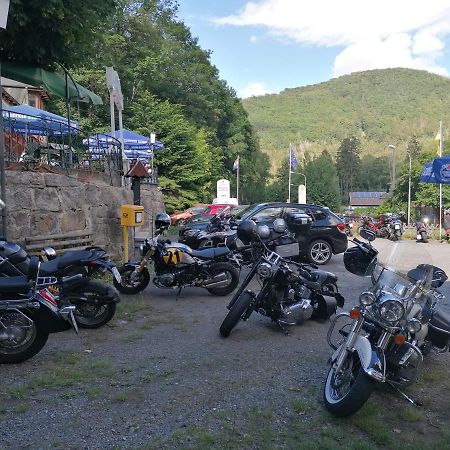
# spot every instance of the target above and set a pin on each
(348, 165)
(373, 174)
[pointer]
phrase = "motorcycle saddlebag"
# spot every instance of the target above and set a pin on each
(439, 329)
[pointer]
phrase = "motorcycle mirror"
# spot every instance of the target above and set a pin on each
(368, 235)
(2, 204)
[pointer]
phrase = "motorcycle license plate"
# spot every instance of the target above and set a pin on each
(287, 250)
(397, 226)
(419, 237)
(116, 275)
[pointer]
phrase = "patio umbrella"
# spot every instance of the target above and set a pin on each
(25, 119)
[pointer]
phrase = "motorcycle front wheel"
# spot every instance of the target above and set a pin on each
(20, 337)
(346, 393)
(239, 307)
(132, 283)
(92, 310)
(232, 278)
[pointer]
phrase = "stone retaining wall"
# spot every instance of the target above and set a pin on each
(49, 203)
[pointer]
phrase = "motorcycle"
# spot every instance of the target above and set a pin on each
(95, 302)
(395, 229)
(290, 292)
(422, 234)
(177, 265)
(395, 324)
(29, 313)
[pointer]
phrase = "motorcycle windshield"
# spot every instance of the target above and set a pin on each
(400, 285)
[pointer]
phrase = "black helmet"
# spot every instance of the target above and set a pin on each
(246, 231)
(360, 262)
(162, 221)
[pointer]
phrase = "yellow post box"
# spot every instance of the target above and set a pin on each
(132, 215)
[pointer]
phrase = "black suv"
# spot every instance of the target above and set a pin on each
(325, 238)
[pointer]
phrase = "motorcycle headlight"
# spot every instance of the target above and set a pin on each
(366, 298)
(413, 325)
(391, 311)
(264, 270)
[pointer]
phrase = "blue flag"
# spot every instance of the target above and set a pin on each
(293, 159)
(441, 170)
(427, 175)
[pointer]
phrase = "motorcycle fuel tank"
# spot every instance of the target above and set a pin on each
(177, 254)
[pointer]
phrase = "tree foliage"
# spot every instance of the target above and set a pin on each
(348, 165)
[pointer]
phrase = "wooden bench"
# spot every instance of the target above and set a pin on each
(73, 240)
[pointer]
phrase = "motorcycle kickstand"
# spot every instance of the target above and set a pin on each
(178, 293)
(410, 400)
(286, 332)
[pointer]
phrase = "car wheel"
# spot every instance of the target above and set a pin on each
(319, 252)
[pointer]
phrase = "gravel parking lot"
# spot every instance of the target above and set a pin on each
(160, 376)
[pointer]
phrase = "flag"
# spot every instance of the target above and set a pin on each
(293, 159)
(236, 165)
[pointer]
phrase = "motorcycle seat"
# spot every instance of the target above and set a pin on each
(441, 320)
(210, 253)
(65, 260)
(15, 285)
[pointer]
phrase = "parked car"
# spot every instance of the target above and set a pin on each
(326, 237)
(211, 210)
(180, 218)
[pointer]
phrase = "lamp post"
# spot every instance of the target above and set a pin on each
(393, 147)
(409, 188)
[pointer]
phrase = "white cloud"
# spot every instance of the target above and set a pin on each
(254, 89)
(373, 34)
(253, 39)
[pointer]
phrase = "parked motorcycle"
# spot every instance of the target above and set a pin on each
(290, 292)
(422, 234)
(394, 325)
(395, 228)
(95, 302)
(177, 265)
(29, 313)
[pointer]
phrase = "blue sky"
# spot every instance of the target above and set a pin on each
(265, 46)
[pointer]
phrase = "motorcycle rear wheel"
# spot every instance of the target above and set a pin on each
(33, 338)
(344, 400)
(94, 312)
(239, 307)
(424, 237)
(129, 286)
(232, 277)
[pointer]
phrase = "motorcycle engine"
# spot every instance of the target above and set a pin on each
(165, 280)
(296, 313)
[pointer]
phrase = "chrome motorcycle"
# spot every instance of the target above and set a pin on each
(177, 265)
(386, 336)
(289, 292)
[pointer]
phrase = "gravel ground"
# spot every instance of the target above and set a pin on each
(160, 376)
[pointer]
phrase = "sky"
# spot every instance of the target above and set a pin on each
(265, 46)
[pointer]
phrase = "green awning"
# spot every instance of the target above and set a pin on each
(54, 83)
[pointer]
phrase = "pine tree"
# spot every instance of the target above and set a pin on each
(348, 165)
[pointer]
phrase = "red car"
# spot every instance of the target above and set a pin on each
(211, 210)
(180, 218)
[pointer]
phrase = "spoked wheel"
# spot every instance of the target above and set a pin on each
(238, 309)
(346, 392)
(20, 337)
(132, 282)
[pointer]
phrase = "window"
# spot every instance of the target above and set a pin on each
(268, 214)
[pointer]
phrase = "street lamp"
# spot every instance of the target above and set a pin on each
(409, 188)
(393, 147)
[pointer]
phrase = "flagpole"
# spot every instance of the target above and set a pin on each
(290, 162)
(237, 180)
(441, 147)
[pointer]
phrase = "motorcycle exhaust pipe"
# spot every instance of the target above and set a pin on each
(220, 280)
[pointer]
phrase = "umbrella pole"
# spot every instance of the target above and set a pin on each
(2, 160)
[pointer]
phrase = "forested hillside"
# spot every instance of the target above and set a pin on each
(170, 87)
(378, 106)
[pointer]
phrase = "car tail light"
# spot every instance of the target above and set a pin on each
(341, 227)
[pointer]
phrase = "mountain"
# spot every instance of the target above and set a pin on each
(380, 107)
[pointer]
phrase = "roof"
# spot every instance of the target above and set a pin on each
(367, 198)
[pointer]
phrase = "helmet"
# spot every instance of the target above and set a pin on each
(246, 231)
(279, 225)
(360, 262)
(263, 231)
(162, 221)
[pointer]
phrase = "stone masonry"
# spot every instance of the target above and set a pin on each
(50, 203)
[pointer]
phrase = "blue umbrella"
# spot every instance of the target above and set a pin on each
(25, 119)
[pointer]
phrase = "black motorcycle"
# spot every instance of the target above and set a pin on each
(290, 292)
(95, 302)
(385, 337)
(177, 265)
(29, 312)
